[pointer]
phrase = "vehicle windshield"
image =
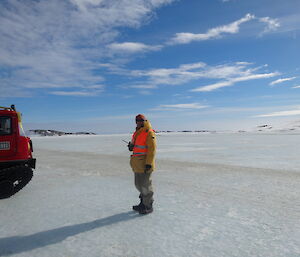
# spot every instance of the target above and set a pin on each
(5, 126)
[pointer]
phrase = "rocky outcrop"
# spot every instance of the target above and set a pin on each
(50, 132)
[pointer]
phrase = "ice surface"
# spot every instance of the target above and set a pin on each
(215, 195)
(277, 151)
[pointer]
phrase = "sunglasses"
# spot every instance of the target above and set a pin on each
(139, 120)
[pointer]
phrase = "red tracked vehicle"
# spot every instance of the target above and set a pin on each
(16, 162)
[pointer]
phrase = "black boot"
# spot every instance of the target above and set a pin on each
(139, 206)
(146, 209)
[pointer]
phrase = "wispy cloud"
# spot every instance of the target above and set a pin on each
(218, 32)
(90, 90)
(132, 47)
(233, 81)
(185, 106)
(296, 86)
(59, 43)
(180, 106)
(187, 37)
(143, 86)
(281, 80)
(281, 113)
(171, 76)
(272, 24)
(290, 22)
(232, 28)
(74, 93)
(10, 92)
(230, 74)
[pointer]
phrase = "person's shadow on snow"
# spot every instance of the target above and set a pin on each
(19, 244)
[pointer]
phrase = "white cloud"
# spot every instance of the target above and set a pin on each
(281, 80)
(179, 107)
(232, 81)
(132, 47)
(192, 66)
(296, 86)
(92, 90)
(143, 86)
(290, 22)
(59, 43)
(281, 113)
(229, 73)
(184, 106)
(187, 72)
(9, 92)
(74, 93)
(214, 86)
(272, 24)
(83, 5)
(160, 2)
(232, 28)
(218, 32)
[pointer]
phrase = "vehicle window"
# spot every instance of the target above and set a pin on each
(5, 126)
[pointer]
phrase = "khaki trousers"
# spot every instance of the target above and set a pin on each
(143, 183)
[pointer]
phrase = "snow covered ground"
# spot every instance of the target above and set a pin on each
(215, 195)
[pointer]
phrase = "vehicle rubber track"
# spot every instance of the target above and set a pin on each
(13, 179)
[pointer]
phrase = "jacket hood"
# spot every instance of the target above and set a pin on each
(147, 125)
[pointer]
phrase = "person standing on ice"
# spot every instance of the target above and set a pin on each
(142, 162)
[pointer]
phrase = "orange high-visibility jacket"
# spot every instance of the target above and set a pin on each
(144, 149)
(140, 146)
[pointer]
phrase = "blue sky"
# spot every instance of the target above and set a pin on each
(94, 64)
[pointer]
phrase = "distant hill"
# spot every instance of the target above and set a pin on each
(292, 126)
(185, 131)
(50, 132)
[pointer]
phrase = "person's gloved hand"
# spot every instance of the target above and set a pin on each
(130, 146)
(147, 168)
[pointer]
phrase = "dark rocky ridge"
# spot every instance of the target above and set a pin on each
(50, 132)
